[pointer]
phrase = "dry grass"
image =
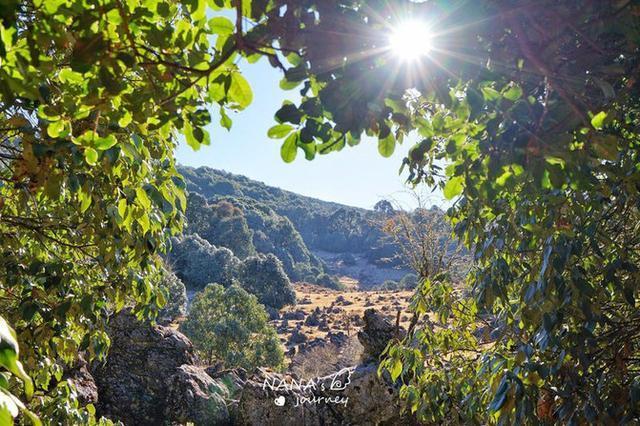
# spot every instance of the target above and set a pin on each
(343, 316)
(324, 360)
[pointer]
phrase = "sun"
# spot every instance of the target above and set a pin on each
(411, 40)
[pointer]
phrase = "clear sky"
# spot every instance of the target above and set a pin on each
(356, 176)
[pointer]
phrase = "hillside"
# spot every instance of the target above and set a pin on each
(326, 228)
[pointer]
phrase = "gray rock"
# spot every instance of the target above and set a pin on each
(83, 381)
(294, 315)
(193, 396)
(358, 397)
(297, 336)
(376, 333)
(150, 369)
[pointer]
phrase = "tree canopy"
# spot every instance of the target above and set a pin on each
(229, 325)
(526, 114)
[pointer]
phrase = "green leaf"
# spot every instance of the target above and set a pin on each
(490, 94)
(240, 91)
(279, 131)
(143, 198)
(85, 200)
(189, 136)
(289, 148)
(105, 143)
(200, 10)
(387, 145)
(225, 120)
(289, 113)
(144, 223)
(125, 120)
(122, 207)
(91, 156)
(597, 121)
(57, 129)
(221, 26)
(9, 352)
(453, 187)
(289, 85)
(67, 75)
(513, 93)
(396, 369)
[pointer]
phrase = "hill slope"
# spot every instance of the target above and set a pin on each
(305, 233)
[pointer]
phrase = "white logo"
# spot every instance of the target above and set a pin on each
(279, 401)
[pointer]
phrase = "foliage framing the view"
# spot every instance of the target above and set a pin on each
(533, 106)
(92, 96)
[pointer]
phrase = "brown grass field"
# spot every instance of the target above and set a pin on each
(338, 310)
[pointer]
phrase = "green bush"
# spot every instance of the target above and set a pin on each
(222, 224)
(329, 281)
(175, 294)
(228, 324)
(264, 276)
(389, 285)
(197, 263)
(408, 282)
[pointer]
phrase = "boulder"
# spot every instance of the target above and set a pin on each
(376, 333)
(313, 320)
(352, 396)
(294, 315)
(151, 377)
(83, 382)
(193, 396)
(297, 336)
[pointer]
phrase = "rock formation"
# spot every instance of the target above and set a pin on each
(151, 377)
(352, 396)
(376, 333)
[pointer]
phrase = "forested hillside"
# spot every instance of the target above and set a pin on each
(270, 211)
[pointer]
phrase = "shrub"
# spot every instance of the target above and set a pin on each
(231, 326)
(197, 263)
(264, 276)
(326, 359)
(389, 285)
(176, 295)
(408, 282)
(329, 281)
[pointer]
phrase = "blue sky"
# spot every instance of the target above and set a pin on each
(356, 176)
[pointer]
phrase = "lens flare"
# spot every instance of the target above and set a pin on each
(411, 40)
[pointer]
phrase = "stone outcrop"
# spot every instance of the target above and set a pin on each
(376, 333)
(151, 377)
(352, 396)
(193, 396)
(82, 380)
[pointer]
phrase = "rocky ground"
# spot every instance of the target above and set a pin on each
(152, 376)
(321, 313)
(319, 334)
